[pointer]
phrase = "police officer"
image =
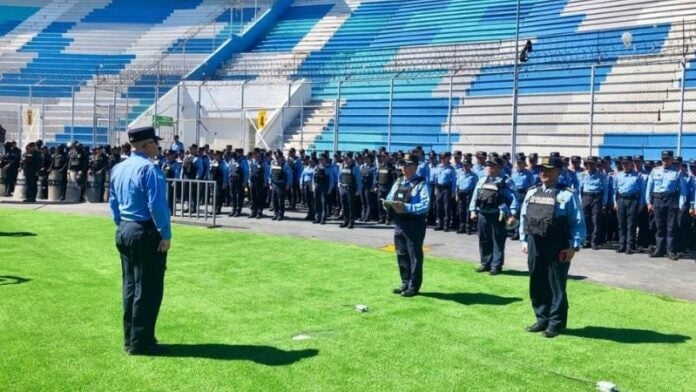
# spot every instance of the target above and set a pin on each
(306, 185)
(31, 166)
(665, 194)
(10, 166)
(494, 201)
(386, 176)
(535, 168)
(46, 162)
(324, 183)
(629, 198)
(60, 166)
(98, 166)
(523, 180)
(368, 172)
(280, 183)
(445, 189)
(218, 173)
(479, 167)
(432, 172)
(552, 228)
(139, 209)
(259, 176)
(466, 182)
(594, 191)
(238, 170)
(296, 165)
(171, 170)
(409, 199)
(350, 185)
(192, 169)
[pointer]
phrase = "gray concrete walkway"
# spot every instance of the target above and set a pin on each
(662, 276)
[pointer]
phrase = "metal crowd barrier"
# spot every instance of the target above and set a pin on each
(192, 201)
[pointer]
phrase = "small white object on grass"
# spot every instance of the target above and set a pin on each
(361, 308)
(606, 386)
(301, 336)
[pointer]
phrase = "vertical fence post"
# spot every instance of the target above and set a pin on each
(94, 116)
(681, 109)
(114, 125)
(515, 85)
(19, 124)
(198, 115)
(42, 134)
(178, 109)
(242, 118)
(302, 124)
(449, 112)
(337, 116)
(390, 114)
(154, 116)
(72, 114)
(593, 72)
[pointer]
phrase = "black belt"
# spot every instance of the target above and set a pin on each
(443, 186)
(632, 196)
(465, 192)
(665, 195)
(593, 194)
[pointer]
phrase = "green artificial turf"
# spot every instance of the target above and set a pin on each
(234, 301)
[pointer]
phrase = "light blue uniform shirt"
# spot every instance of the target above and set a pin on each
(630, 184)
(511, 204)
(420, 197)
(595, 182)
(567, 205)
(307, 176)
(447, 176)
(523, 179)
(138, 193)
(480, 170)
(662, 180)
(466, 181)
(423, 170)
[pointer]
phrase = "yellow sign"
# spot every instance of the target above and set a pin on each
(30, 116)
(261, 119)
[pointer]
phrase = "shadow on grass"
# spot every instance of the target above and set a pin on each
(473, 298)
(626, 335)
(17, 234)
(265, 355)
(8, 280)
(526, 273)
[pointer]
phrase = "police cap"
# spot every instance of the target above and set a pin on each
(481, 154)
(592, 159)
(533, 156)
(141, 134)
(520, 157)
(678, 159)
(575, 158)
(466, 162)
(447, 155)
(626, 159)
(409, 160)
(638, 158)
(553, 162)
(692, 163)
(555, 154)
(495, 161)
(667, 154)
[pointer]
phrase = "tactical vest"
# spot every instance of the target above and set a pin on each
(540, 219)
(403, 193)
(257, 174)
(74, 161)
(188, 168)
(490, 196)
(58, 161)
(215, 172)
(277, 174)
(347, 178)
(321, 177)
(235, 172)
(384, 177)
(366, 173)
(98, 163)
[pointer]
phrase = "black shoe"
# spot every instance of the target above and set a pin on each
(447, 230)
(409, 293)
(308, 218)
(155, 349)
(315, 221)
(595, 247)
(399, 290)
(482, 268)
(382, 221)
(621, 250)
(536, 327)
(351, 225)
(586, 245)
(550, 334)
(494, 272)
(252, 216)
(343, 225)
(673, 256)
(461, 231)
(275, 217)
(439, 228)
(469, 232)
(630, 251)
(656, 254)
(323, 222)
(259, 216)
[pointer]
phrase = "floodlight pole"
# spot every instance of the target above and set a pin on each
(681, 110)
(515, 85)
(593, 73)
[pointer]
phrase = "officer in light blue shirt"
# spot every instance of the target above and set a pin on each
(479, 167)
(445, 190)
(138, 203)
(594, 191)
(552, 228)
(535, 168)
(177, 146)
(665, 194)
(219, 174)
(306, 185)
(409, 199)
(493, 203)
(466, 182)
(629, 199)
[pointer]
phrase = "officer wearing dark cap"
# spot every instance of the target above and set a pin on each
(409, 200)
(445, 189)
(350, 185)
(629, 198)
(493, 203)
(386, 177)
(466, 183)
(9, 164)
(535, 168)
(31, 166)
(137, 198)
(98, 165)
(479, 166)
(594, 190)
(523, 180)
(552, 228)
(665, 194)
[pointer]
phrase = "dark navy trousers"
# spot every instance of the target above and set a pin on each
(666, 210)
(547, 281)
(143, 281)
(409, 234)
(492, 236)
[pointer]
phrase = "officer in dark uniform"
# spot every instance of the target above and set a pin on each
(46, 162)
(31, 166)
(466, 183)
(493, 203)
(324, 183)
(98, 166)
(139, 209)
(386, 176)
(629, 198)
(368, 172)
(10, 166)
(523, 179)
(594, 190)
(238, 170)
(192, 169)
(350, 185)
(665, 195)
(281, 183)
(409, 199)
(259, 174)
(171, 169)
(60, 165)
(445, 190)
(552, 228)
(218, 173)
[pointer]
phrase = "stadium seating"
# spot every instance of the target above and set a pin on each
(11, 16)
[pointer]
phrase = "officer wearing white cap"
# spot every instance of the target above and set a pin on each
(137, 198)
(552, 228)
(409, 199)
